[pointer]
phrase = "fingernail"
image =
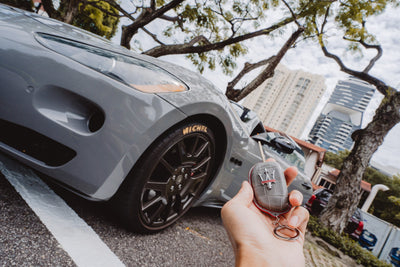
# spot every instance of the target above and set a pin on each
(294, 220)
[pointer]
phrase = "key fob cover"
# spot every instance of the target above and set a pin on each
(270, 189)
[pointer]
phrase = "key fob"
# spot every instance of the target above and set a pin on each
(270, 189)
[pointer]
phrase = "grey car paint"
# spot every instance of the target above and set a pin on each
(29, 72)
(55, 94)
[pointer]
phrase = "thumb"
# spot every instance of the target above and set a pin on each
(245, 194)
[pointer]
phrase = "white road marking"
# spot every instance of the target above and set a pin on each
(75, 236)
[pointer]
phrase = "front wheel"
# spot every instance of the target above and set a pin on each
(168, 179)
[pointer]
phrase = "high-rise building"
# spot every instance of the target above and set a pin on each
(342, 115)
(287, 100)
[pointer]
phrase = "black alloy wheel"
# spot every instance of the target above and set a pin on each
(169, 179)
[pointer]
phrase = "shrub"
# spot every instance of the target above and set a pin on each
(344, 244)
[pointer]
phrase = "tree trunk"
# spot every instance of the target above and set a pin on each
(50, 10)
(346, 196)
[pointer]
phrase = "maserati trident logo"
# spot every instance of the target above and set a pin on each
(268, 178)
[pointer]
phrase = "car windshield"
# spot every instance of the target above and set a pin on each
(295, 158)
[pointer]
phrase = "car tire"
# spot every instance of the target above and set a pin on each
(168, 179)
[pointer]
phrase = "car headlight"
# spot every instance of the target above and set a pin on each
(136, 73)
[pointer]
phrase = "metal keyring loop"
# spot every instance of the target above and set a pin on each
(279, 227)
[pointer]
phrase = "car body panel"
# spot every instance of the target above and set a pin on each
(51, 73)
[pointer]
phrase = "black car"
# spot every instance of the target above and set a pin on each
(318, 202)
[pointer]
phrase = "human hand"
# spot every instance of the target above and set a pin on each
(251, 231)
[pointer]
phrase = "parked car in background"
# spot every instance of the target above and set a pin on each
(367, 240)
(355, 226)
(394, 256)
(318, 202)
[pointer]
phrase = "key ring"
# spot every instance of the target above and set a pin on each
(280, 227)
(287, 238)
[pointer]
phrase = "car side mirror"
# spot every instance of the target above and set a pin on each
(283, 144)
(279, 142)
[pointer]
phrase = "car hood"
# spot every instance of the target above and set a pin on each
(200, 89)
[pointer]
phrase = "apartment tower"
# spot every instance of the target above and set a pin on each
(287, 100)
(342, 115)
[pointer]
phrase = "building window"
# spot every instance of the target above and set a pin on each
(327, 184)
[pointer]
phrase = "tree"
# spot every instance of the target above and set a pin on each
(100, 18)
(336, 160)
(97, 16)
(23, 4)
(351, 16)
(386, 204)
(396, 203)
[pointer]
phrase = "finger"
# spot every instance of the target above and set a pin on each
(243, 198)
(290, 174)
(245, 194)
(299, 218)
(295, 198)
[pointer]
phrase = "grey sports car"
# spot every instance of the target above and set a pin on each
(110, 124)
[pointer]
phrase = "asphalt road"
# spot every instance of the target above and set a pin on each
(198, 239)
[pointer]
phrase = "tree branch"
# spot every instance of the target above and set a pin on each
(120, 9)
(169, 18)
(362, 75)
(268, 71)
(187, 48)
(292, 12)
(374, 59)
(368, 46)
(147, 16)
(199, 39)
(380, 86)
(153, 36)
(248, 67)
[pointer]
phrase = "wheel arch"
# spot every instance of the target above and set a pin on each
(221, 138)
(220, 135)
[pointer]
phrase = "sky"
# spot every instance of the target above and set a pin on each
(308, 57)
